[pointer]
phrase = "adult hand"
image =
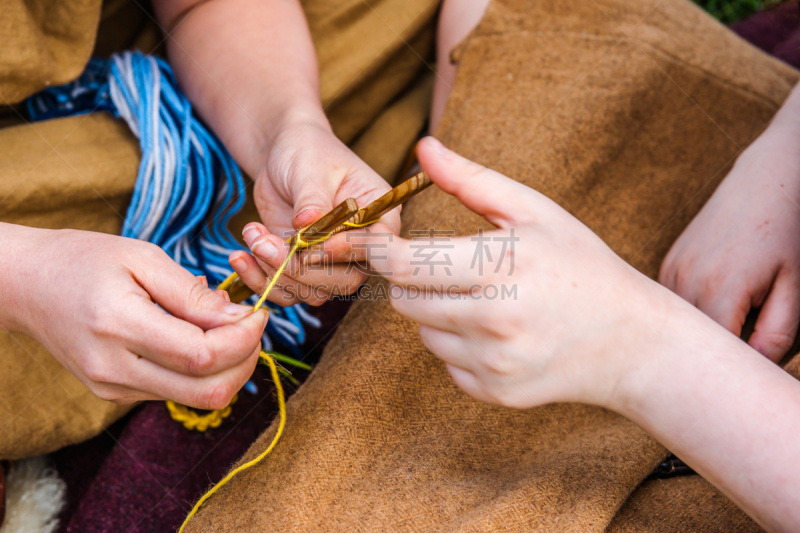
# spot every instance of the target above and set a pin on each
(309, 171)
(742, 250)
(93, 301)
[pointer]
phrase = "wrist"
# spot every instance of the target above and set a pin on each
(666, 342)
(18, 274)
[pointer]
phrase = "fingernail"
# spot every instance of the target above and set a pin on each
(304, 219)
(239, 264)
(250, 233)
(266, 315)
(236, 309)
(264, 249)
(203, 280)
(225, 295)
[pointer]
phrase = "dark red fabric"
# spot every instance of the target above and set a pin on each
(776, 31)
(143, 474)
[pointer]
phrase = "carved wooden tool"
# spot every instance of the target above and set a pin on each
(400, 194)
(329, 221)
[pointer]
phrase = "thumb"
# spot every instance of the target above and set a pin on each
(499, 199)
(776, 326)
(312, 199)
(186, 297)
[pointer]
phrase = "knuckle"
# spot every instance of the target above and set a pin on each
(101, 323)
(500, 328)
(147, 252)
(199, 295)
(216, 396)
(508, 396)
(97, 373)
(201, 360)
(498, 363)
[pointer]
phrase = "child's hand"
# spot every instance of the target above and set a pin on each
(309, 172)
(91, 298)
(743, 249)
(573, 314)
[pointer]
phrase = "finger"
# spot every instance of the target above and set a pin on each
(449, 264)
(209, 392)
(777, 322)
(183, 295)
(334, 279)
(248, 270)
(728, 308)
(499, 199)
(449, 347)
(187, 349)
(437, 310)
(312, 199)
(223, 294)
(121, 395)
(469, 383)
(346, 247)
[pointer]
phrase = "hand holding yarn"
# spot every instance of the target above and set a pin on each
(94, 304)
(308, 172)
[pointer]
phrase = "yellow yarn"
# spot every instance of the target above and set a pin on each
(281, 409)
(192, 420)
(189, 418)
(362, 225)
(298, 243)
(225, 285)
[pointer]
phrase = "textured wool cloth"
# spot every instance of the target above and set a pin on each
(628, 113)
(78, 172)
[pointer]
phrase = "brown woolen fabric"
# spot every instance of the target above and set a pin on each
(626, 112)
(75, 172)
(680, 505)
(79, 172)
(45, 43)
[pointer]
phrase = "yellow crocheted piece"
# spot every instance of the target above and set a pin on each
(195, 421)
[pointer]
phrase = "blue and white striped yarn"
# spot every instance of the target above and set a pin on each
(188, 186)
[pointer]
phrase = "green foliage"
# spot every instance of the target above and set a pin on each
(728, 11)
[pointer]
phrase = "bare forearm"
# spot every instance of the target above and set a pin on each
(728, 412)
(248, 66)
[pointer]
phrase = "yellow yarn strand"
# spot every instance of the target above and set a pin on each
(225, 285)
(362, 225)
(278, 273)
(186, 416)
(282, 409)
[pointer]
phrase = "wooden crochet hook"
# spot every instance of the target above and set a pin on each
(330, 220)
(399, 195)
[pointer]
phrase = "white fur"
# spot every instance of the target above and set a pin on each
(34, 497)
